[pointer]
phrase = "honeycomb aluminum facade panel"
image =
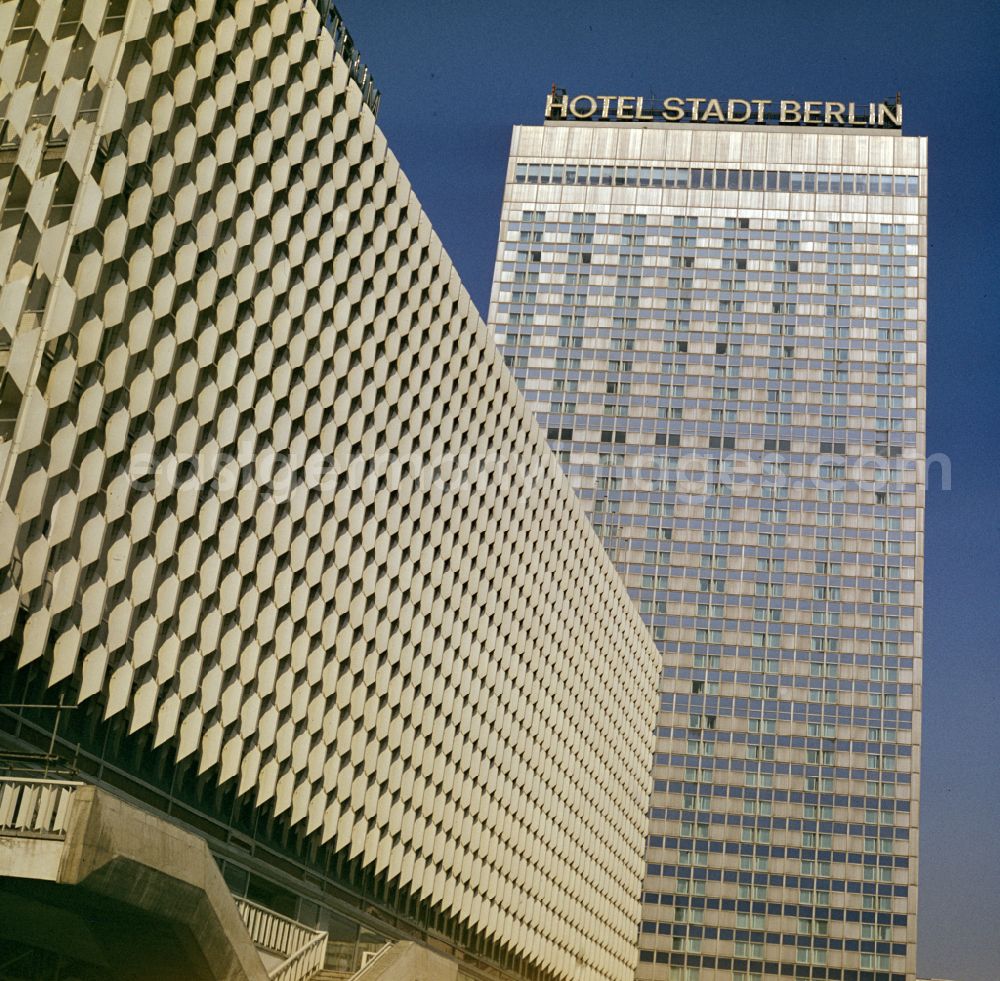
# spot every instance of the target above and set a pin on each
(268, 494)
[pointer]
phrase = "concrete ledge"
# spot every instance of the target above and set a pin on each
(31, 858)
(408, 961)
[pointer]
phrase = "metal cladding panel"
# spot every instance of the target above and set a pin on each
(269, 491)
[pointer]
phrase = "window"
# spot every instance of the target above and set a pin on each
(690, 887)
(684, 914)
(819, 897)
(877, 961)
(881, 903)
(810, 955)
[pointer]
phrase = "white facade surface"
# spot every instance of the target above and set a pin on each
(267, 489)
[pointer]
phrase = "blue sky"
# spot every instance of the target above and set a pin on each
(456, 75)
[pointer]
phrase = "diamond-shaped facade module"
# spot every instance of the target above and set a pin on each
(268, 492)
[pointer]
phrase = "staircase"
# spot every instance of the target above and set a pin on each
(289, 950)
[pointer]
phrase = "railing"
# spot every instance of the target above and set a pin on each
(34, 807)
(303, 948)
(370, 956)
(303, 963)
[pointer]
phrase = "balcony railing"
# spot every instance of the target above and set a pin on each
(36, 808)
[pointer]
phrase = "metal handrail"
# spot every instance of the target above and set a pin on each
(369, 957)
(35, 766)
(303, 948)
(304, 962)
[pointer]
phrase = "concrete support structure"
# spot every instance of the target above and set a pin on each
(115, 891)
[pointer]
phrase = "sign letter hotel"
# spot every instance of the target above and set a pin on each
(786, 112)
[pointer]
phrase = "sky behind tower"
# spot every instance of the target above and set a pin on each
(456, 75)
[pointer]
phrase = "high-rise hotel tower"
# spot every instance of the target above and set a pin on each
(718, 313)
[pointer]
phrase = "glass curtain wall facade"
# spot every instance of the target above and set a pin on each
(722, 330)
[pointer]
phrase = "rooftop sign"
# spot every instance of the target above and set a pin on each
(786, 112)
